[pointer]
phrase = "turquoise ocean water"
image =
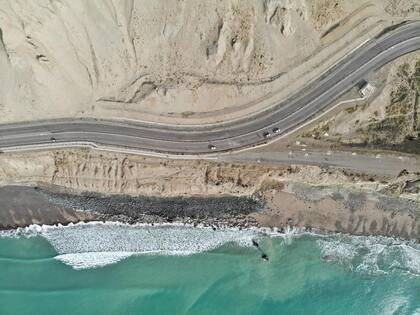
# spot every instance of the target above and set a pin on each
(117, 269)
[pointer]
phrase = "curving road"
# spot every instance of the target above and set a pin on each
(287, 115)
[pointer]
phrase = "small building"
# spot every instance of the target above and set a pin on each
(366, 90)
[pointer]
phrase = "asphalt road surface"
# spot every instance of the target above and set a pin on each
(287, 115)
(379, 164)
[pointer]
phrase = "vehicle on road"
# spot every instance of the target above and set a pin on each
(313, 100)
(52, 139)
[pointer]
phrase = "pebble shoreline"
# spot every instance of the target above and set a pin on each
(226, 211)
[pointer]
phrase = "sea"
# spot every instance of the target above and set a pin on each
(119, 269)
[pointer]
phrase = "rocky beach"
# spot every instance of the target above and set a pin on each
(322, 209)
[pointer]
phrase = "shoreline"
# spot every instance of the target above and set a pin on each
(295, 232)
(288, 232)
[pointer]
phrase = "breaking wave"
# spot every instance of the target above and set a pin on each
(90, 245)
(92, 259)
(371, 255)
(97, 244)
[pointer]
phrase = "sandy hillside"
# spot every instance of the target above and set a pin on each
(172, 61)
(116, 173)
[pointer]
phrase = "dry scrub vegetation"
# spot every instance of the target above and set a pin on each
(391, 120)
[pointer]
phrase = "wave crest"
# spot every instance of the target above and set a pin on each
(371, 255)
(90, 245)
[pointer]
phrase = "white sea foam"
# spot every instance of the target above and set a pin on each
(371, 255)
(93, 259)
(336, 251)
(96, 244)
(89, 245)
(394, 305)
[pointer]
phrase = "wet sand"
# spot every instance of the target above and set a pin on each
(22, 206)
(365, 214)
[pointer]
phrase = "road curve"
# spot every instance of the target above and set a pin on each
(286, 115)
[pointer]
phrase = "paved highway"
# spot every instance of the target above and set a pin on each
(286, 115)
(390, 165)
